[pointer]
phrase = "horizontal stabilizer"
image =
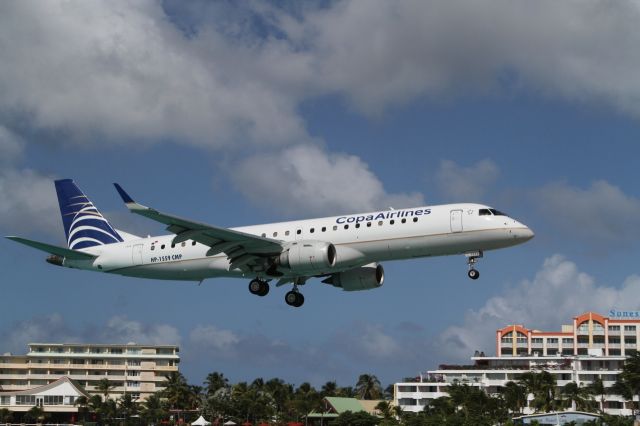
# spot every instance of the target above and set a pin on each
(60, 251)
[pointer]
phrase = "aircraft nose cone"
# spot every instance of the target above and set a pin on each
(525, 234)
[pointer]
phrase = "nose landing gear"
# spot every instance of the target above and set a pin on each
(472, 258)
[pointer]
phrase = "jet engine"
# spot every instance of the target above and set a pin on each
(308, 256)
(365, 277)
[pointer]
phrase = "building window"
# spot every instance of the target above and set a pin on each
(133, 384)
(5, 400)
(614, 339)
(25, 400)
(133, 363)
(552, 340)
(614, 328)
(536, 340)
(629, 328)
(567, 341)
(583, 328)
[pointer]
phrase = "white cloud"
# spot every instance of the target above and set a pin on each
(304, 179)
(601, 214)
(214, 338)
(536, 304)
(28, 203)
(459, 183)
(120, 329)
(54, 329)
(122, 69)
(11, 146)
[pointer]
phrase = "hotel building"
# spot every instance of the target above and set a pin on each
(136, 369)
(592, 346)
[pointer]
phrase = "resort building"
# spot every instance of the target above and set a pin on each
(593, 346)
(139, 370)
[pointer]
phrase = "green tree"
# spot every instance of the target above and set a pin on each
(128, 407)
(105, 386)
(514, 396)
(577, 397)
(630, 375)
(35, 415)
(368, 387)
(6, 416)
(543, 388)
(597, 388)
(355, 419)
(215, 381)
(152, 410)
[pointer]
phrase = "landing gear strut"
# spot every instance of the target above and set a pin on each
(294, 298)
(472, 258)
(259, 287)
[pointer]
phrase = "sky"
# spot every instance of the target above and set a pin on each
(238, 113)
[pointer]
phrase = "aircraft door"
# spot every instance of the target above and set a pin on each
(137, 254)
(456, 220)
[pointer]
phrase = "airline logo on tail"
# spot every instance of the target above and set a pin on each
(84, 226)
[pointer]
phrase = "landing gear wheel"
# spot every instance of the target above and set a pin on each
(294, 298)
(473, 274)
(259, 287)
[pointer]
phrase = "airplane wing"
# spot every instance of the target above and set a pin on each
(243, 250)
(60, 251)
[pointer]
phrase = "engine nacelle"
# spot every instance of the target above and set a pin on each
(365, 277)
(308, 256)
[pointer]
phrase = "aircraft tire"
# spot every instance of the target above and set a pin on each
(473, 274)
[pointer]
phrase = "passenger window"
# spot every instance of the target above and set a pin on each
(380, 223)
(312, 230)
(335, 227)
(275, 234)
(153, 247)
(324, 229)
(184, 244)
(404, 220)
(368, 224)
(173, 245)
(357, 225)
(346, 227)
(415, 219)
(162, 247)
(264, 235)
(286, 233)
(193, 243)
(299, 231)
(391, 222)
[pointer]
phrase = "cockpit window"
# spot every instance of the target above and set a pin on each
(497, 212)
(484, 212)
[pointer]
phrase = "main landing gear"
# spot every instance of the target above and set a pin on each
(472, 258)
(294, 298)
(259, 287)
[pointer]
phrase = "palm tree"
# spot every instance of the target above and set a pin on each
(598, 388)
(514, 396)
(577, 397)
(152, 410)
(105, 386)
(329, 389)
(215, 381)
(128, 406)
(542, 386)
(368, 387)
(630, 375)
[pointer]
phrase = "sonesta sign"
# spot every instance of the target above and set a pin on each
(613, 313)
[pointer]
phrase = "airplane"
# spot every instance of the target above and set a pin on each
(344, 251)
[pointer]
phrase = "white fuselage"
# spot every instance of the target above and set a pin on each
(359, 239)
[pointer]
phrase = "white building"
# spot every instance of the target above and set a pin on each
(593, 346)
(136, 369)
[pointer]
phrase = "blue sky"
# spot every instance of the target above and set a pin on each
(235, 114)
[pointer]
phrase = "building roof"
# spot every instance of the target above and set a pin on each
(338, 405)
(43, 388)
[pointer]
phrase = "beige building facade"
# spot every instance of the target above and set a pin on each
(139, 370)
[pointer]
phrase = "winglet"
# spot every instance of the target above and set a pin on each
(125, 197)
